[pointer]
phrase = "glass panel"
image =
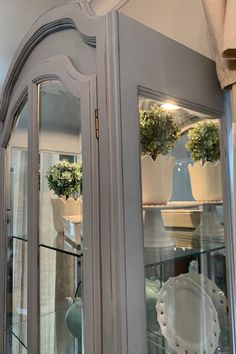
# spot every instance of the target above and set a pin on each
(17, 236)
(184, 243)
(61, 315)
(60, 228)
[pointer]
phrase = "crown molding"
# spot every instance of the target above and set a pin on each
(102, 7)
(76, 15)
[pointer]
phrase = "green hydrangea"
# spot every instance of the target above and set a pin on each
(203, 142)
(159, 131)
(65, 178)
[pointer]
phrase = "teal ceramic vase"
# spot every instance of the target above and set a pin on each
(74, 317)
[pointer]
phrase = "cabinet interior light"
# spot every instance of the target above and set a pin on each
(169, 106)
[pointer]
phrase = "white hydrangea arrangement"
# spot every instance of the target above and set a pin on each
(65, 179)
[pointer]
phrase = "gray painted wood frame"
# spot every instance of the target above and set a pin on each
(55, 27)
(111, 196)
(117, 48)
(3, 248)
(59, 19)
(228, 177)
(33, 270)
(155, 66)
(83, 87)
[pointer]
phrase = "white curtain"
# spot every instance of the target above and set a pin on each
(221, 20)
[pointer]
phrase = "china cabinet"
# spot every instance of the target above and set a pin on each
(121, 273)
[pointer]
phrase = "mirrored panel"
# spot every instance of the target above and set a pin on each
(61, 216)
(183, 229)
(16, 282)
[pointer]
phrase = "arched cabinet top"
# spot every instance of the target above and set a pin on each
(57, 68)
(76, 16)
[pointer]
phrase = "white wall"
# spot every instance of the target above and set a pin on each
(181, 20)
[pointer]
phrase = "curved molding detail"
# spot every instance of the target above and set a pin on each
(102, 7)
(58, 67)
(76, 15)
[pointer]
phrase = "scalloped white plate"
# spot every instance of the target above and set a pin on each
(187, 317)
(218, 298)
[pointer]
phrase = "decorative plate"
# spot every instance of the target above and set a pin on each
(219, 300)
(187, 317)
(152, 289)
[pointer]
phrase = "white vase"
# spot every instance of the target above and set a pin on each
(206, 181)
(209, 229)
(155, 234)
(157, 179)
(62, 207)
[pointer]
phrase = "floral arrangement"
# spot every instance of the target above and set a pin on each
(159, 131)
(65, 178)
(203, 142)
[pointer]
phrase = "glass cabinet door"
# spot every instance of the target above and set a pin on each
(183, 230)
(50, 225)
(60, 220)
(17, 191)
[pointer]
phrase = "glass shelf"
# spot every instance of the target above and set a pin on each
(199, 217)
(156, 256)
(55, 337)
(67, 249)
(21, 237)
(17, 345)
(181, 205)
(19, 332)
(162, 264)
(59, 244)
(157, 344)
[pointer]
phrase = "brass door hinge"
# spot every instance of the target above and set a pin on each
(96, 124)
